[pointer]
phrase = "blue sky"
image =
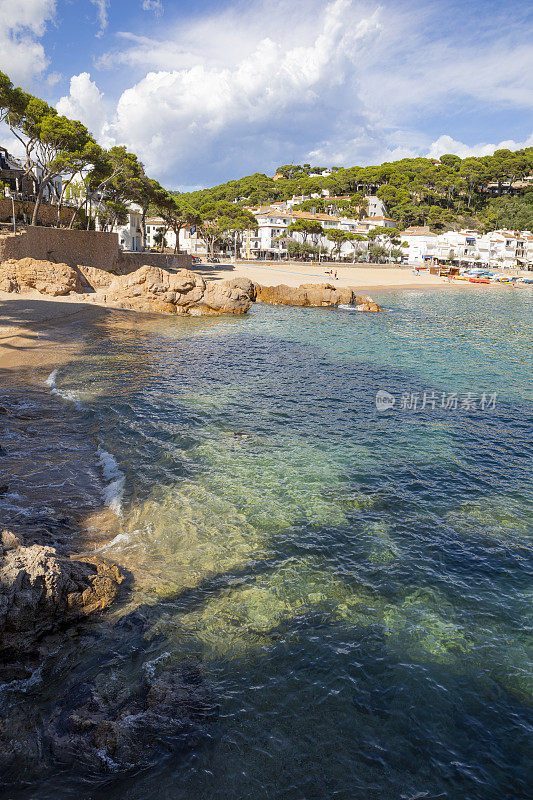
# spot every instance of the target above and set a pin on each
(208, 91)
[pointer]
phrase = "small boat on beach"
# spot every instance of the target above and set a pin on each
(479, 280)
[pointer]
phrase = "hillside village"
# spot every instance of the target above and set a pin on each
(417, 211)
(280, 223)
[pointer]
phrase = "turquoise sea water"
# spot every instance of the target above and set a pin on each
(354, 586)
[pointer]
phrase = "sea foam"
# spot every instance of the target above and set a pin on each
(114, 490)
(51, 380)
(68, 395)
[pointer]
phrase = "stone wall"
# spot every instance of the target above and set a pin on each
(129, 262)
(47, 213)
(90, 248)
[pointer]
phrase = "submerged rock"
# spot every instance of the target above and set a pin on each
(121, 726)
(40, 590)
(44, 276)
(127, 717)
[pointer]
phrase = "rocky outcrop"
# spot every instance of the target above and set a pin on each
(183, 292)
(157, 290)
(93, 278)
(40, 590)
(314, 294)
(44, 276)
(246, 285)
(367, 304)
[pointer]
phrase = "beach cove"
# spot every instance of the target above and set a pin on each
(343, 592)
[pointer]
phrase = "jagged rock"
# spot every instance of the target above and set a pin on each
(93, 278)
(184, 292)
(226, 297)
(245, 284)
(308, 294)
(45, 276)
(367, 305)
(314, 294)
(157, 290)
(40, 589)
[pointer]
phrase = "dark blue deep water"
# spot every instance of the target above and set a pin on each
(355, 585)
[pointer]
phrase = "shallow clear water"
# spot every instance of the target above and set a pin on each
(355, 585)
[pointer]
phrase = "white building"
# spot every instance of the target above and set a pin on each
(130, 233)
(189, 240)
(155, 228)
(497, 249)
(269, 239)
(376, 207)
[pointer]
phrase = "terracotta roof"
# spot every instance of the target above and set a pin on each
(308, 215)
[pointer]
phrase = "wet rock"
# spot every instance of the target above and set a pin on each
(369, 306)
(40, 590)
(44, 276)
(127, 717)
(119, 727)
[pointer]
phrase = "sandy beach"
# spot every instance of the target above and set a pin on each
(378, 278)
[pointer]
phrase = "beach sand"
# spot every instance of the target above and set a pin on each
(368, 278)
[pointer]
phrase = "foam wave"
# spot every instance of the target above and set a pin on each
(51, 380)
(69, 395)
(120, 538)
(114, 491)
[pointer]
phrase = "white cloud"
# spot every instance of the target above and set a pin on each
(22, 22)
(84, 102)
(102, 7)
(257, 84)
(446, 144)
(153, 5)
(179, 118)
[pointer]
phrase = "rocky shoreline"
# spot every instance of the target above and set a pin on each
(156, 290)
(131, 712)
(81, 690)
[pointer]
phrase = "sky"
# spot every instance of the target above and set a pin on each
(211, 90)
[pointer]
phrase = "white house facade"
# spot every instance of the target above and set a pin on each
(269, 239)
(497, 249)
